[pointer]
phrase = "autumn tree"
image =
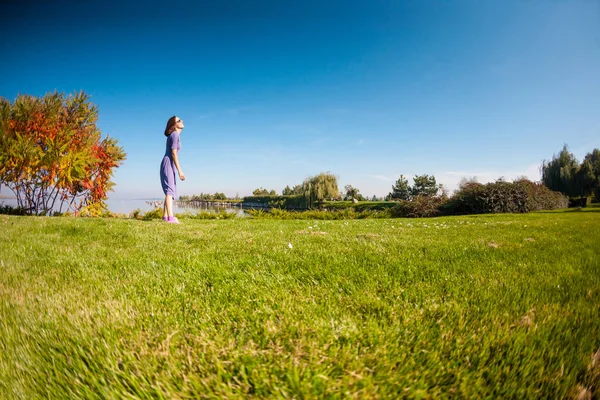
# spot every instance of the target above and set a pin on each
(52, 154)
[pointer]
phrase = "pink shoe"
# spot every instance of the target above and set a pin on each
(165, 219)
(172, 220)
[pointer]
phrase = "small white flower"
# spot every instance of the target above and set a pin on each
(290, 246)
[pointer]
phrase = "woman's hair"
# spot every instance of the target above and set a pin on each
(171, 124)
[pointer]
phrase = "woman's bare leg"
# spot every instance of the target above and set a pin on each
(169, 205)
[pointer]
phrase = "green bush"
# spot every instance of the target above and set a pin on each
(287, 202)
(360, 206)
(539, 197)
(10, 210)
(207, 215)
(505, 197)
(348, 213)
(136, 214)
(157, 213)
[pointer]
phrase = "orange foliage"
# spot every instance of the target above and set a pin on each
(51, 150)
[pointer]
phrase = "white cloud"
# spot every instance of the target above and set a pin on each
(382, 178)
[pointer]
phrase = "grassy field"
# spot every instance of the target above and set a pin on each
(492, 306)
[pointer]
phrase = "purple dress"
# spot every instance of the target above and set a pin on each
(167, 167)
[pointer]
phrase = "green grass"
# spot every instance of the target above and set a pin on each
(496, 306)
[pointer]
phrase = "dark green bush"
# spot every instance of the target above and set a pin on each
(360, 206)
(503, 197)
(580, 202)
(287, 202)
(10, 210)
(419, 207)
(539, 197)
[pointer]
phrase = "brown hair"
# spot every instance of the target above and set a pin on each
(170, 125)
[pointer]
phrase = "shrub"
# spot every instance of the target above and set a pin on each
(419, 207)
(94, 210)
(157, 213)
(208, 215)
(287, 202)
(503, 197)
(469, 199)
(135, 214)
(348, 213)
(10, 210)
(580, 201)
(360, 206)
(539, 197)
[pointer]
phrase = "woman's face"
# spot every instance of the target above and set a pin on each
(179, 123)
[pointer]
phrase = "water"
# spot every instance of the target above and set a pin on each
(126, 206)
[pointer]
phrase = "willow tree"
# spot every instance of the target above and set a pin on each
(52, 154)
(558, 174)
(320, 187)
(593, 159)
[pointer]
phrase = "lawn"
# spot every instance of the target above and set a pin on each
(490, 306)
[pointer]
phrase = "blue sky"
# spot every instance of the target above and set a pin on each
(272, 92)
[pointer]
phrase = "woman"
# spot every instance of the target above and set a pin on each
(169, 164)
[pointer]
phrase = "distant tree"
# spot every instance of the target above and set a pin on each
(594, 159)
(320, 187)
(585, 180)
(184, 198)
(467, 181)
(219, 196)
(352, 193)
(260, 192)
(559, 174)
(287, 191)
(374, 198)
(400, 190)
(297, 190)
(53, 155)
(424, 185)
(272, 193)
(443, 191)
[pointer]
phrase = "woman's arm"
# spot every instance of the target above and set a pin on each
(176, 161)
